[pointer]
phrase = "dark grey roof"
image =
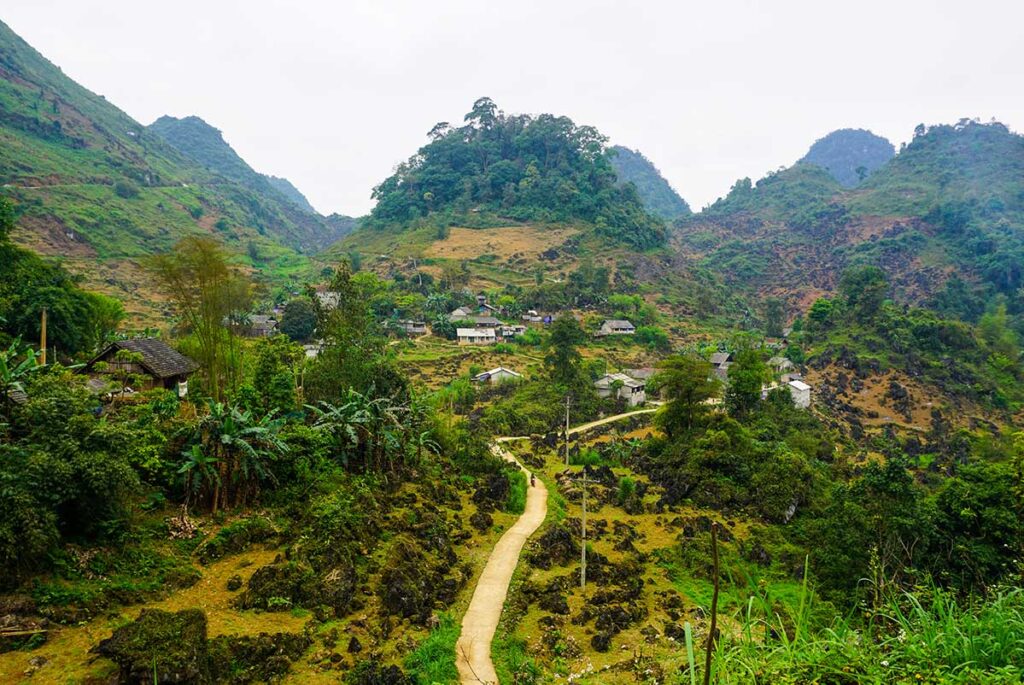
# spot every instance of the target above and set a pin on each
(158, 358)
(17, 396)
(719, 358)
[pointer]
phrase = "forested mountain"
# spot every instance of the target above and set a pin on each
(850, 154)
(197, 139)
(657, 195)
(943, 218)
(499, 167)
(95, 187)
(286, 188)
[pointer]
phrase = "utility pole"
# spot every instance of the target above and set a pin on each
(42, 339)
(566, 430)
(583, 541)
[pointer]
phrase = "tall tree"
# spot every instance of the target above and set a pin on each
(563, 359)
(774, 317)
(687, 384)
(206, 292)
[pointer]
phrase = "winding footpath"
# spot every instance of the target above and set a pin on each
(473, 650)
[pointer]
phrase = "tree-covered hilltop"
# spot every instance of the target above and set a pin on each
(658, 196)
(850, 154)
(942, 218)
(527, 168)
(288, 189)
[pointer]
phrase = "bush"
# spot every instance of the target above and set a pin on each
(126, 189)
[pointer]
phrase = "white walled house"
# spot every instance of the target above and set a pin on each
(497, 375)
(801, 393)
(476, 336)
(616, 327)
(622, 386)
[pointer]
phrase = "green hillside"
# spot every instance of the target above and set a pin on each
(850, 155)
(499, 167)
(286, 188)
(658, 196)
(943, 218)
(96, 188)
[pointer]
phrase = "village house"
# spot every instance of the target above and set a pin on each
(622, 386)
(460, 314)
(159, 364)
(531, 316)
(476, 336)
(616, 327)
(412, 327)
(261, 326)
(485, 321)
(497, 375)
(509, 332)
(801, 393)
(720, 363)
(780, 364)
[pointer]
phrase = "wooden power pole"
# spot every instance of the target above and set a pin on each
(583, 539)
(566, 430)
(42, 339)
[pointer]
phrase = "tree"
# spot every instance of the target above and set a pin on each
(298, 321)
(747, 376)
(563, 359)
(863, 289)
(774, 317)
(14, 373)
(206, 292)
(653, 337)
(687, 384)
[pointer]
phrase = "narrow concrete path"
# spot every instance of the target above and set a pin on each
(473, 650)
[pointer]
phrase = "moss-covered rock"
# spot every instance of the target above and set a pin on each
(283, 585)
(413, 582)
(160, 647)
(261, 658)
(372, 673)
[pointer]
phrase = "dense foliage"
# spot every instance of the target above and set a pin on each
(657, 195)
(543, 168)
(850, 155)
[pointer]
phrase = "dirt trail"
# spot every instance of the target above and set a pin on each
(473, 650)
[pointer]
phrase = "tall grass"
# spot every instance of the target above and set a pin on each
(921, 637)
(515, 501)
(433, 660)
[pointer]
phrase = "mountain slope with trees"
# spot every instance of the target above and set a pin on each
(499, 167)
(658, 196)
(942, 218)
(66, 152)
(850, 154)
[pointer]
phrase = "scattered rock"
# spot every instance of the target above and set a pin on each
(234, 582)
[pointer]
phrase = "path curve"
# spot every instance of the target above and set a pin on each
(473, 649)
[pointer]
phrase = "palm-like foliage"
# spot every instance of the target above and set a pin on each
(14, 373)
(242, 448)
(373, 432)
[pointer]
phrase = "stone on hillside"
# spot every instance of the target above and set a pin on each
(161, 647)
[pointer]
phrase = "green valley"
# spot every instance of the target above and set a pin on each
(531, 420)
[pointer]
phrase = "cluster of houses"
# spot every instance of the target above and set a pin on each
(789, 377)
(480, 326)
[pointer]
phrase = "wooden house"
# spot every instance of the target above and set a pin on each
(159, 364)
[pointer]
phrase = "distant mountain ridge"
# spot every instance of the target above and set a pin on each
(99, 190)
(657, 194)
(850, 155)
(943, 217)
(286, 188)
(204, 143)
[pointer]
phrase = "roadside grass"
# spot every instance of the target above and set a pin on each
(515, 502)
(433, 661)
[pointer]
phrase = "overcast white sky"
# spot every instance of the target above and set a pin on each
(334, 94)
